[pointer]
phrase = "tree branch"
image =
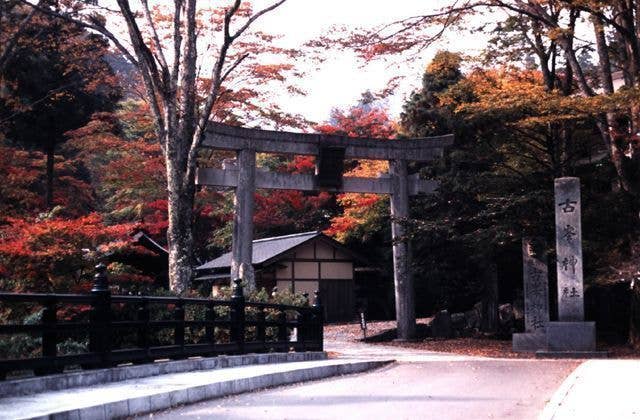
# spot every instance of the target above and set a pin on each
(148, 69)
(217, 72)
(156, 40)
(188, 94)
(177, 41)
(232, 67)
(255, 17)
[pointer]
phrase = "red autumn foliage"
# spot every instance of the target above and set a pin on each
(54, 254)
(291, 211)
(23, 186)
(20, 172)
(111, 165)
(302, 165)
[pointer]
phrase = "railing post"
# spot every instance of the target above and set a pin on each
(303, 322)
(283, 334)
(49, 348)
(210, 328)
(49, 338)
(318, 314)
(143, 329)
(261, 335)
(178, 331)
(100, 336)
(237, 315)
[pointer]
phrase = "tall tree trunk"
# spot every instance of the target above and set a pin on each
(568, 155)
(51, 146)
(572, 60)
(602, 122)
(604, 63)
(608, 124)
(544, 56)
(626, 20)
(179, 108)
(181, 193)
(562, 135)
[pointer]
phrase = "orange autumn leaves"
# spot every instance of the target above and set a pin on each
(359, 209)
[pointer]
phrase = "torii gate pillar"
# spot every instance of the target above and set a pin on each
(403, 280)
(242, 244)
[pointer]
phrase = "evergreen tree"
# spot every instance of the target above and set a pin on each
(423, 114)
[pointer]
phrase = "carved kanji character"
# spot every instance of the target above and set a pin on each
(570, 262)
(569, 233)
(568, 206)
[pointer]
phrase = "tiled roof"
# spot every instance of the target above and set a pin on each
(264, 249)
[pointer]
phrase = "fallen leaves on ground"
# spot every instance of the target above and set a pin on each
(472, 346)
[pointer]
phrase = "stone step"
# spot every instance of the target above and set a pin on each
(144, 395)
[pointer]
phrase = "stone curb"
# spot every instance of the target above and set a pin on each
(551, 408)
(188, 395)
(103, 376)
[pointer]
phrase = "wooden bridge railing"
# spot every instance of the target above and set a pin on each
(139, 329)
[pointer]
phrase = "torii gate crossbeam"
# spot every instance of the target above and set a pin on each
(399, 185)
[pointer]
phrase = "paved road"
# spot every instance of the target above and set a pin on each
(423, 385)
(598, 390)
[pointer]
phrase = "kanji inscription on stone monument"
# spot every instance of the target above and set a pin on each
(536, 288)
(569, 249)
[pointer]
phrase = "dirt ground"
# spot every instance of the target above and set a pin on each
(382, 332)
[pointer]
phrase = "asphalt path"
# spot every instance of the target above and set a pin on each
(437, 388)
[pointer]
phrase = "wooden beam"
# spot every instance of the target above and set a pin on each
(283, 181)
(226, 137)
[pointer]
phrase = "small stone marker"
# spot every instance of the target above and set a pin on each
(569, 250)
(536, 298)
(536, 287)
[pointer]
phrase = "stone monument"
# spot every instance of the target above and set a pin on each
(570, 333)
(536, 297)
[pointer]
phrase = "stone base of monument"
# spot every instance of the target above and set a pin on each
(571, 336)
(529, 342)
(543, 354)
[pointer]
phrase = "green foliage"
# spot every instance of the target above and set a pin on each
(71, 346)
(19, 346)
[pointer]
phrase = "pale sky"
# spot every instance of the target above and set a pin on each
(342, 78)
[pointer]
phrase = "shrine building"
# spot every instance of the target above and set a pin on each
(302, 262)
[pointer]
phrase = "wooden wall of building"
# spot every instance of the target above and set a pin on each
(319, 266)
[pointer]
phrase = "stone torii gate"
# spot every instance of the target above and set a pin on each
(330, 152)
